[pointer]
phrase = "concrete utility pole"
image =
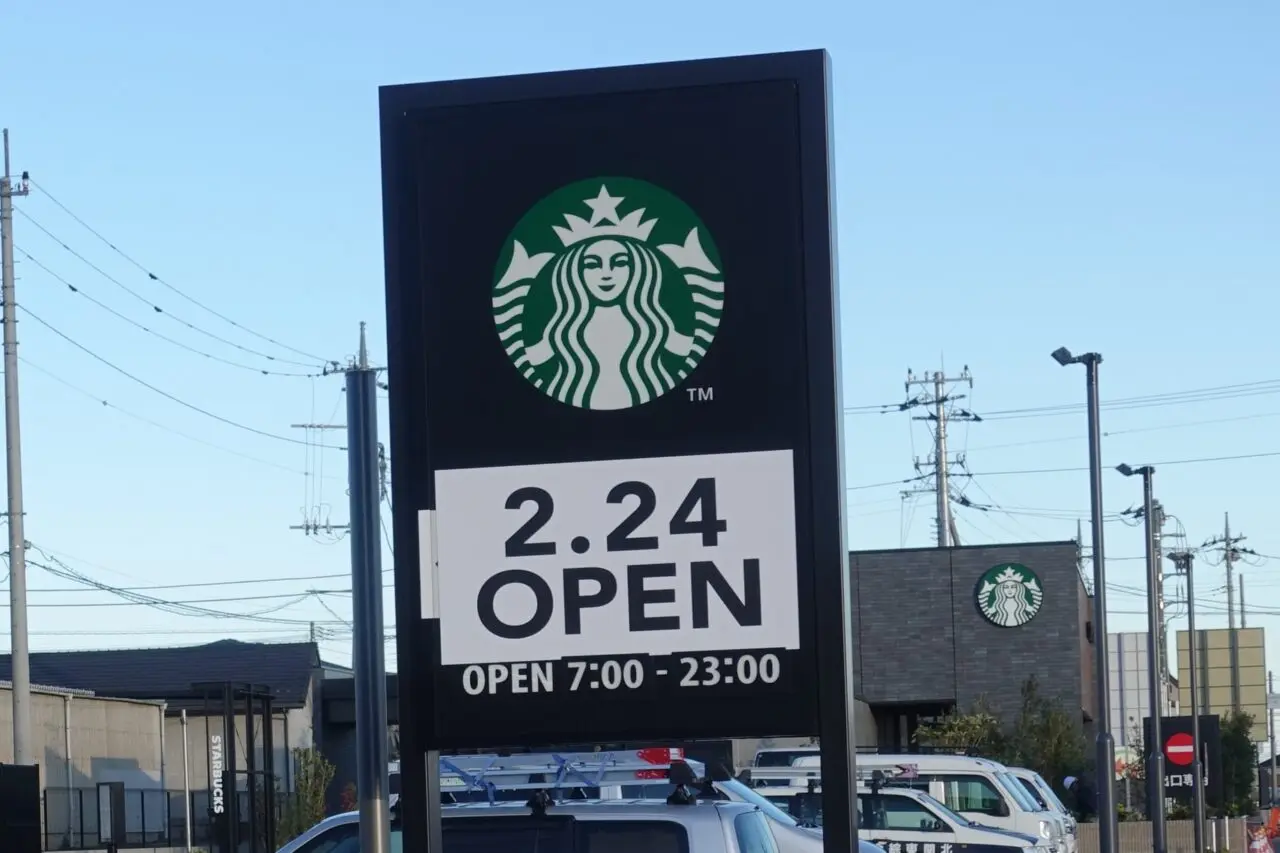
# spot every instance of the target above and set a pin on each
(1184, 561)
(1230, 554)
(20, 652)
(935, 395)
(366, 586)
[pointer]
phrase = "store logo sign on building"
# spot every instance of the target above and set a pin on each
(608, 293)
(1009, 595)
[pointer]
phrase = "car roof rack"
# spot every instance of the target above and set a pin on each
(557, 771)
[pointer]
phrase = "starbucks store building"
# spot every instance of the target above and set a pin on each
(936, 629)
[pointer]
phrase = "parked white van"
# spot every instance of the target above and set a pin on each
(983, 791)
(1044, 794)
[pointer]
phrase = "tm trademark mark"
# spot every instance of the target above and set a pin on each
(701, 395)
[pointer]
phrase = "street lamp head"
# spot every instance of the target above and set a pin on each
(1063, 356)
(1125, 469)
(1129, 471)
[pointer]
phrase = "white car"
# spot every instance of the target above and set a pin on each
(513, 827)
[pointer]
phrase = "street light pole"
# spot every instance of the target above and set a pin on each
(1105, 745)
(1184, 560)
(1155, 742)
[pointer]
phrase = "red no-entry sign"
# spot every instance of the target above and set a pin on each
(1179, 749)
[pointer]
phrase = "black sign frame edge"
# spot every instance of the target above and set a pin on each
(810, 70)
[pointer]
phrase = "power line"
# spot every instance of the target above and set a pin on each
(61, 570)
(206, 584)
(170, 286)
(142, 418)
(162, 392)
(1198, 395)
(156, 308)
(117, 314)
(1130, 431)
(1070, 470)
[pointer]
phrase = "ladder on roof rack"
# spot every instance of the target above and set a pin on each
(813, 773)
(555, 771)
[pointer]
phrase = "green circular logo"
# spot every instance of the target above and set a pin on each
(1009, 595)
(608, 293)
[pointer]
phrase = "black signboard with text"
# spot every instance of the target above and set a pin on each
(1179, 780)
(615, 410)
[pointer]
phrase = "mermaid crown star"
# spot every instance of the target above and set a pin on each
(604, 221)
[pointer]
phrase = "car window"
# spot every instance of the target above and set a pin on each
(628, 836)
(508, 834)
(782, 758)
(876, 811)
(343, 838)
(967, 792)
(1047, 790)
(766, 805)
(1019, 793)
(754, 835)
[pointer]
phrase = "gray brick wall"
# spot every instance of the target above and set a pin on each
(920, 637)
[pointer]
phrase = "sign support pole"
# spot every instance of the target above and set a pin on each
(366, 586)
(1184, 560)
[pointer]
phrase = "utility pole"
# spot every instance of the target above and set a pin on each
(1231, 553)
(935, 396)
(1157, 528)
(1184, 561)
(366, 586)
(20, 651)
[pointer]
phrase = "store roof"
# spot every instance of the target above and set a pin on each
(168, 673)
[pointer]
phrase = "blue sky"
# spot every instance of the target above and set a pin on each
(1011, 177)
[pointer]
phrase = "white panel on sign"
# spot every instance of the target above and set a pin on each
(427, 576)
(626, 556)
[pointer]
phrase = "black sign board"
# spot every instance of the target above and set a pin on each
(20, 817)
(1179, 779)
(615, 417)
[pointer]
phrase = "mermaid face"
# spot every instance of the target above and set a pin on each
(1010, 589)
(606, 270)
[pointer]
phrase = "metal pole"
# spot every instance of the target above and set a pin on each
(1105, 752)
(1271, 712)
(20, 660)
(1185, 561)
(186, 786)
(366, 585)
(1155, 748)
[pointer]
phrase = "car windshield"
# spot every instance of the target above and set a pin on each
(1030, 788)
(741, 792)
(1014, 788)
(1046, 790)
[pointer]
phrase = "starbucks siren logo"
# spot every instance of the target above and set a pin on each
(1009, 595)
(608, 293)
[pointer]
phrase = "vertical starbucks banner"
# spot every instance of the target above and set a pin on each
(615, 409)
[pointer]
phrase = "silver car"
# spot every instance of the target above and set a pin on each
(577, 826)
